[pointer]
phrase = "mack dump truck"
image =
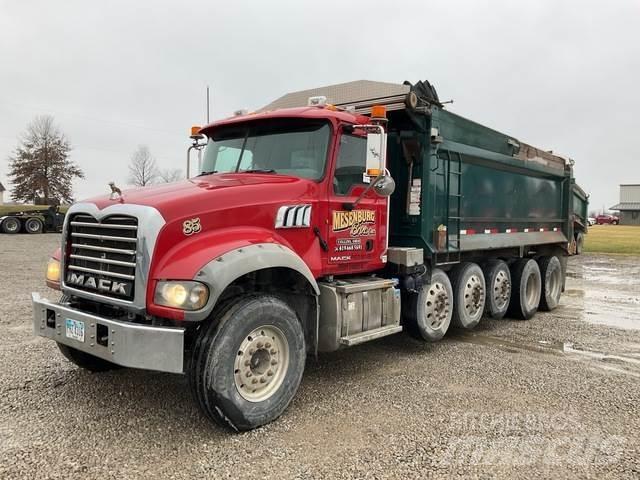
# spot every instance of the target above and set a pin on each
(312, 225)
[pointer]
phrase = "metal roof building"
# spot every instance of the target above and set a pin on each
(341, 94)
(629, 206)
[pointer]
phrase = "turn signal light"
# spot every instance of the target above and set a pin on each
(378, 111)
(195, 131)
(373, 172)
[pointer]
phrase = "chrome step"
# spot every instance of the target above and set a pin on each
(362, 337)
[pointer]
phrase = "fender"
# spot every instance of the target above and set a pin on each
(219, 258)
(219, 273)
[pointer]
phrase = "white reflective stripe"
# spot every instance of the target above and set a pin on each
(293, 216)
(555, 229)
(290, 218)
(463, 232)
(307, 215)
(526, 230)
(300, 214)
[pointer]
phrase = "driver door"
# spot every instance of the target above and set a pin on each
(356, 237)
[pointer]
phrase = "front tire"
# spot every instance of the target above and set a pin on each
(86, 361)
(247, 364)
(526, 290)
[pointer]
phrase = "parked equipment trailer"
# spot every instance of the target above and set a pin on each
(310, 229)
(33, 221)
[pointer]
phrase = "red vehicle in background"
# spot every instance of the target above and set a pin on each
(604, 219)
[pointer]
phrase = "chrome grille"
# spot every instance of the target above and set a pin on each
(102, 255)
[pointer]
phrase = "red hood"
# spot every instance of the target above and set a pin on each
(211, 192)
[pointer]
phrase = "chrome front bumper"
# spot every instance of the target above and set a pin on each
(123, 343)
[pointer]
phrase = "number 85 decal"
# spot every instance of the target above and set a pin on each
(191, 226)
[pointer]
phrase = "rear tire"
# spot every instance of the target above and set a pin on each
(248, 362)
(33, 225)
(497, 278)
(552, 281)
(432, 308)
(579, 242)
(86, 361)
(526, 290)
(11, 225)
(469, 294)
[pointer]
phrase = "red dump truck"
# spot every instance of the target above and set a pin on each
(311, 226)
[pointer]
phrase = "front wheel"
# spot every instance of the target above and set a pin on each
(248, 362)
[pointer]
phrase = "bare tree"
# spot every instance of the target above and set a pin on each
(143, 170)
(41, 169)
(170, 175)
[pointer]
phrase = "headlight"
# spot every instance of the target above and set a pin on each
(186, 295)
(53, 270)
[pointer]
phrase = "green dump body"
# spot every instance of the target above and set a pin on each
(463, 187)
(580, 206)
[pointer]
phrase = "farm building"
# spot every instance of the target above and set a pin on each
(629, 206)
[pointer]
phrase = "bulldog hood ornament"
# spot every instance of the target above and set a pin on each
(116, 193)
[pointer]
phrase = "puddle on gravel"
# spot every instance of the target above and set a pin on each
(627, 363)
(603, 290)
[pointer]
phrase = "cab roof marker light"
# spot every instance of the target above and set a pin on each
(239, 113)
(319, 101)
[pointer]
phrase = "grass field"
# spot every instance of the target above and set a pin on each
(613, 239)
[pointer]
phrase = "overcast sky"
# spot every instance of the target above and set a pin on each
(561, 75)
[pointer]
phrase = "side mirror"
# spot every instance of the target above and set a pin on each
(376, 146)
(385, 186)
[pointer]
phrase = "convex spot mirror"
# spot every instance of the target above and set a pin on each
(385, 186)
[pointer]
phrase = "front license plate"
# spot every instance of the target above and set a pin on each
(75, 329)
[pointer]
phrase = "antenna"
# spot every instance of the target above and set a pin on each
(207, 104)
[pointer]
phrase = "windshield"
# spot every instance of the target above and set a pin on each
(290, 147)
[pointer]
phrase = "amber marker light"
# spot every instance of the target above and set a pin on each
(378, 111)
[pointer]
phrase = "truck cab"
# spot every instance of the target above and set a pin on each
(292, 239)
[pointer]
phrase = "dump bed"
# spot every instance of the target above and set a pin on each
(466, 187)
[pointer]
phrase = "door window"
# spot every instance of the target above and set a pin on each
(351, 164)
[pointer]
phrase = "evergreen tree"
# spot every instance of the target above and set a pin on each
(41, 167)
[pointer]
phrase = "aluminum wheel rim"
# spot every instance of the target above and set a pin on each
(437, 305)
(12, 226)
(33, 226)
(501, 290)
(473, 296)
(261, 364)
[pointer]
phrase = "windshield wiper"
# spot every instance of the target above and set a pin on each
(211, 172)
(258, 170)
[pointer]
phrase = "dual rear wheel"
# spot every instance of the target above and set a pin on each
(469, 291)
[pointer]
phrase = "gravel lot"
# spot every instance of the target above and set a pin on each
(556, 396)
